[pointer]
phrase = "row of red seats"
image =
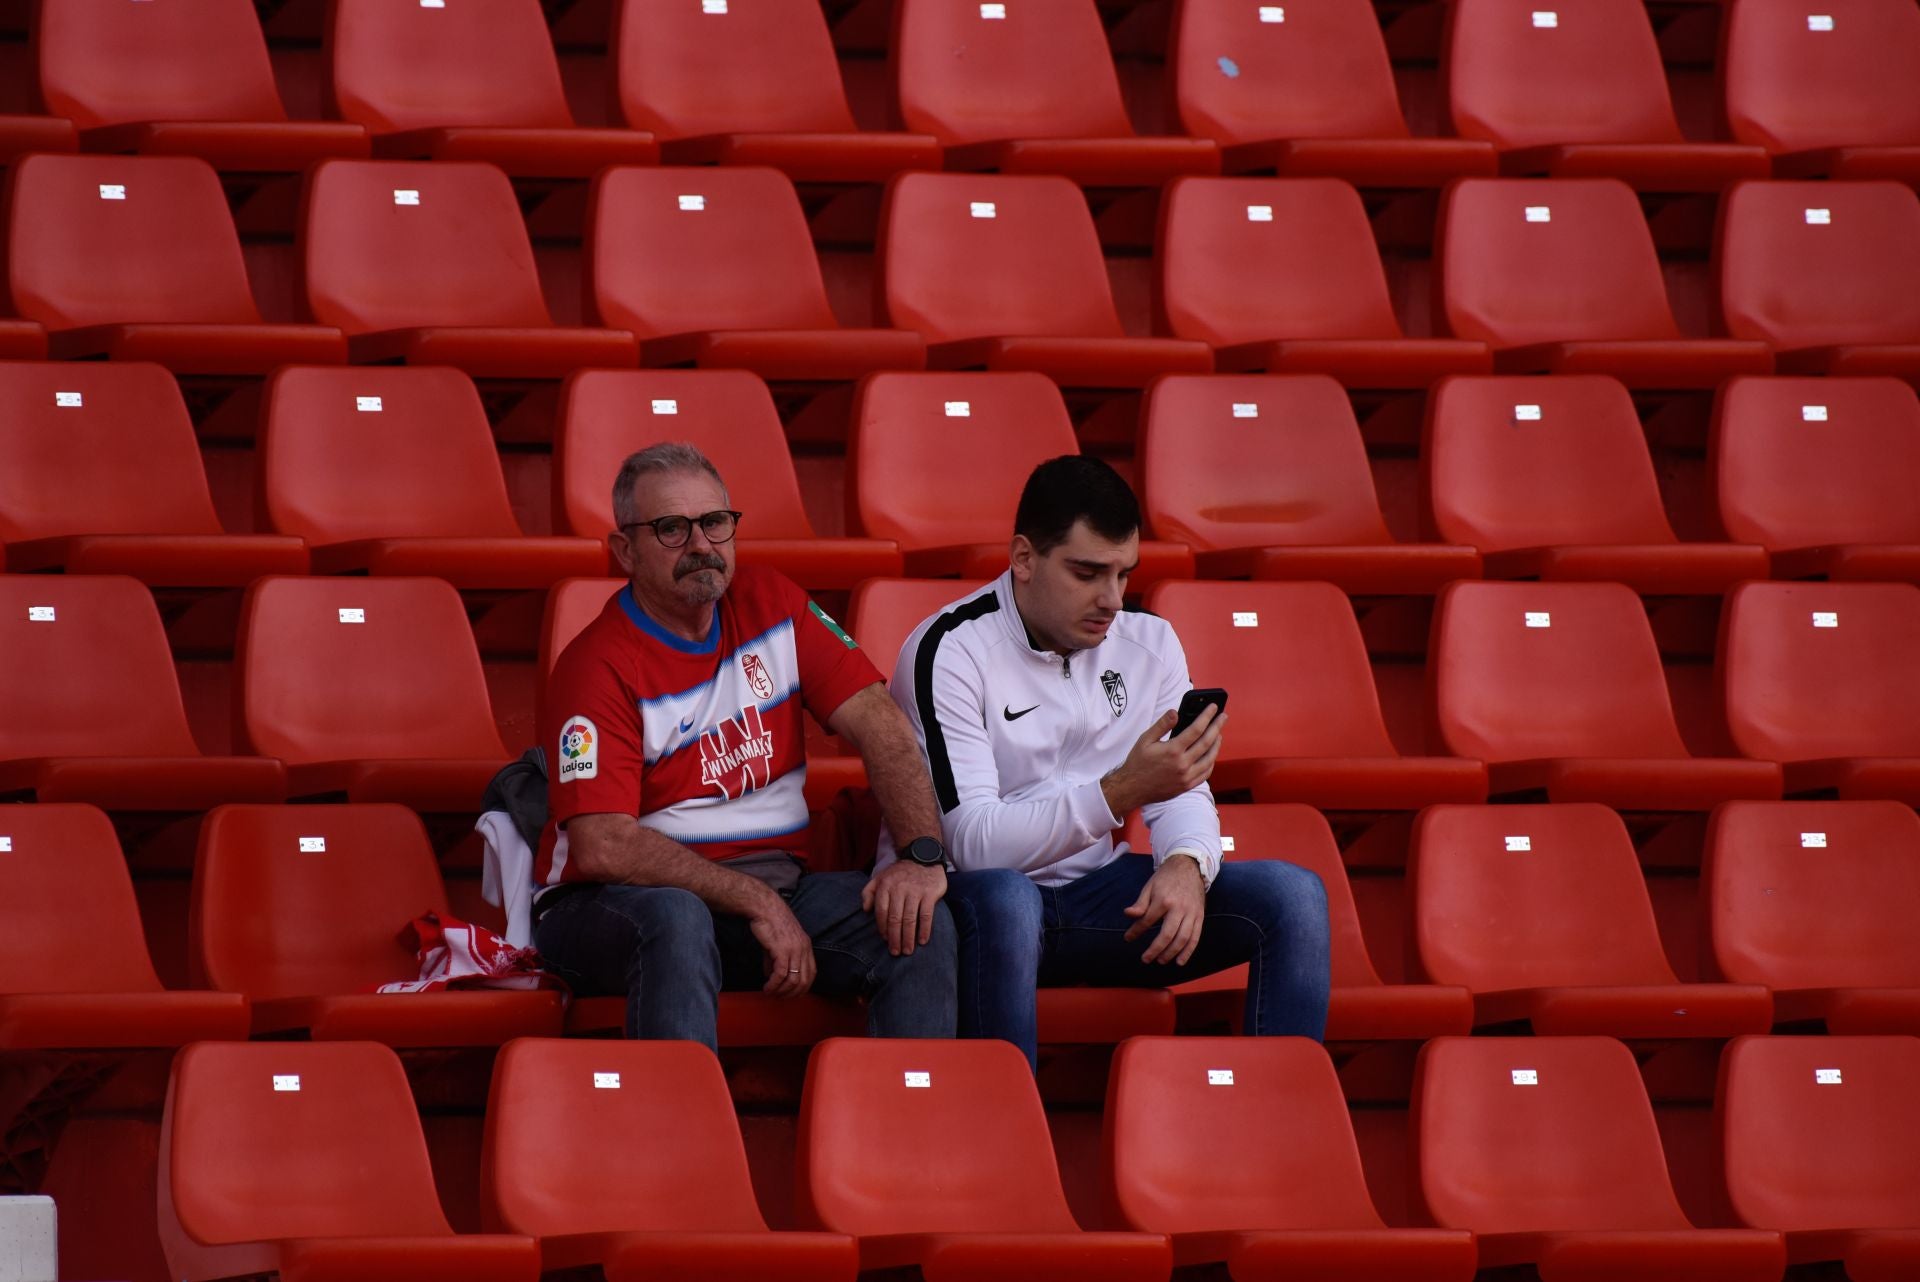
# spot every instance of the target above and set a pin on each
(430, 263)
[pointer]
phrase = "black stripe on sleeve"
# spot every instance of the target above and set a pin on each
(937, 760)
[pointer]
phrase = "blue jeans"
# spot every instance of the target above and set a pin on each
(670, 956)
(1016, 936)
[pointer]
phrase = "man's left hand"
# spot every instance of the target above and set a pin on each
(901, 898)
(1176, 898)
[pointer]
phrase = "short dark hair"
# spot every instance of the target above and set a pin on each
(1075, 487)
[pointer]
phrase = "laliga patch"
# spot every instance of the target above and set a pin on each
(579, 750)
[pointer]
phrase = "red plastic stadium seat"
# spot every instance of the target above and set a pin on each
(606, 415)
(176, 79)
(672, 1201)
(430, 264)
(308, 1160)
(1577, 91)
(1543, 912)
(1261, 1168)
(1558, 687)
(1000, 1211)
(393, 471)
(466, 81)
(100, 474)
(1821, 1141)
(371, 687)
(1821, 676)
(22, 340)
(1267, 476)
(750, 84)
(305, 908)
(1546, 1148)
(1027, 88)
(90, 708)
(1831, 932)
(1560, 276)
(884, 612)
(1305, 89)
(1306, 722)
(1283, 275)
(1822, 473)
(715, 267)
(136, 258)
(1551, 478)
(1824, 273)
(23, 130)
(1005, 273)
(1826, 97)
(938, 461)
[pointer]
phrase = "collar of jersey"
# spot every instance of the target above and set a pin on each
(1017, 626)
(642, 620)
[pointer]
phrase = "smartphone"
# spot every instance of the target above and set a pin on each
(1193, 702)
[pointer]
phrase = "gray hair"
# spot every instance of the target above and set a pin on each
(667, 456)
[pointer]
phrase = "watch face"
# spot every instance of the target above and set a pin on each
(925, 850)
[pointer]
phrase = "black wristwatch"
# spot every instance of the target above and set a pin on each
(925, 851)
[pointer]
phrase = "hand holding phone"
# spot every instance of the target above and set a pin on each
(1191, 705)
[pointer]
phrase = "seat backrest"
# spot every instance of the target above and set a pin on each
(680, 1165)
(1820, 264)
(1526, 1134)
(104, 62)
(571, 605)
(1528, 670)
(108, 240)
(367, 453)
(360, 669)
(1538, 462)
(991, 256)
(1812, 462)
(85, 671)
(968, 72)
(996, 1172)
(1256, 461)
(1821, 1132)
(309, 901)
(1795, 83)
(1293, 657)
(1818, 670)
(1246, 260)
(680, 251)
(884, 612)
(1531, 896)
(416, 66)
(685, 70)
(53, 859)
(392, 244)
(1839, 917)
(938, 460)
(102, 448)
(1544, 260)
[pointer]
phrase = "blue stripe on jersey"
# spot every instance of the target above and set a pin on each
(653, 700)
(642, 620)
(723, 839)
(691, 735)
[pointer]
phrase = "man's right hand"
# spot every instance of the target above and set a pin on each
(789, 949)
(1158, 769)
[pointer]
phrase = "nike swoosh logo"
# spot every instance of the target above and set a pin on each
(686, 725)
(1008, 712)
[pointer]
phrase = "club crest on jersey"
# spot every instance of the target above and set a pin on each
(757, 676)
(1116, 687)
(579, 750)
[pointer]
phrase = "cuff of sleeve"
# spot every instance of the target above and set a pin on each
(1209, 861)
(1094, 812)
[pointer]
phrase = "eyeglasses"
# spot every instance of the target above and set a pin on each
(674, 531)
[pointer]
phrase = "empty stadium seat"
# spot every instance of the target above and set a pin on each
(367, 687)
(1830, 932)
(176, 79)
(1822, 677)
(1241, 1151)
(671, 1200)
(750, 85)
(938, 462)
(308, 1160)
(999, 1211)
(1306, 718)
(715, 267)
(136, 258)
(1305, 90)
(466, 81)
(1546, 1148)
(1551, 478)
(24, 128)
(90, 708)
(1283, 275)
(1822, 473)
(1005, 273)
(1268, 476)
(1027, 88)
(393, 471)
(1560, 276)
(429, 263)
(1558, 688)
(100, 474)
(1824, 273)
